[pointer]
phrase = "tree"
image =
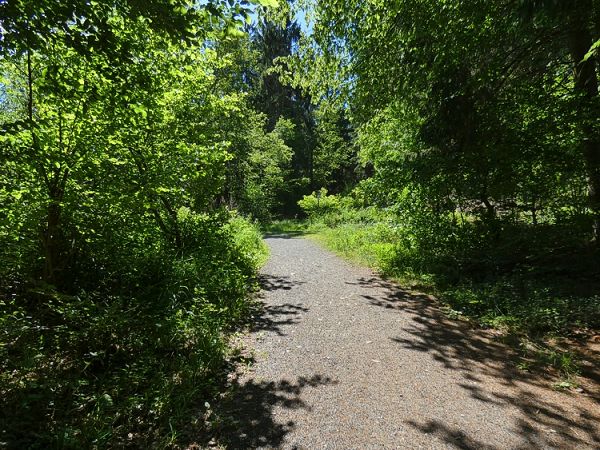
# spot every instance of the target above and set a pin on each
(71, 66)
(575, 25)
(274, 41)
(117, 258)
(493, 125)
(335, 162)
(89, 26)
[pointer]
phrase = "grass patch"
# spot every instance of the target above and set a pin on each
(366, 244)
(248, 240)
(287, 226)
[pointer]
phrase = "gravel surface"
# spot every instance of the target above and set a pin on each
(346, 360)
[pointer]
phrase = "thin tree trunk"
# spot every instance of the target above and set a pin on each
(174, 231)
(174, 224)
(50, 235)
(586, 86)
(51, 241)
(490, 209)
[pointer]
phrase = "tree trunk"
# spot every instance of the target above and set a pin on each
(174, 229)
(586, 88)
(51, 242)
(50, 236)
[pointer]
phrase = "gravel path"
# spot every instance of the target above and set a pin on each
(346, 360)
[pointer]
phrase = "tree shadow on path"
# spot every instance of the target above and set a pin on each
(457, 438)
(247, 414)
(273, 318)
(277, 282)
(545, 418)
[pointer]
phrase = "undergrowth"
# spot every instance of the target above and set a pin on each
(534, 282)
(129, 358)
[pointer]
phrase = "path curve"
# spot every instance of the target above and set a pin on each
(346, 360)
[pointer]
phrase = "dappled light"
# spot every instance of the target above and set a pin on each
(247, 416)
(299, 224)
(399, 370)
(489, 367)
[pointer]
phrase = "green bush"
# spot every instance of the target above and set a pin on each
(248, 240)
(127, 367)
(319, 203)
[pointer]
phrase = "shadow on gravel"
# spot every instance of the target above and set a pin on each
(449, 435)
(246, 416)
(274, 283)
(274, 318)
(476, 353)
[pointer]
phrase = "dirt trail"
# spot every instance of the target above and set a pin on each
(345, 360)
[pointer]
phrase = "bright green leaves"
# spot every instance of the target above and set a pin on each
(116, 151)
(140, 110)
(459, 101)
(94, 27)
(235, 31)
(268, 3)
(592, 51)
(108, 141)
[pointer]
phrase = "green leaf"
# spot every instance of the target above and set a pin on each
(234, 31)
(268, 3)
(592, 51)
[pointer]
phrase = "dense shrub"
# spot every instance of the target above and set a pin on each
(319, 203)
(121, 271)
(129, 366)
